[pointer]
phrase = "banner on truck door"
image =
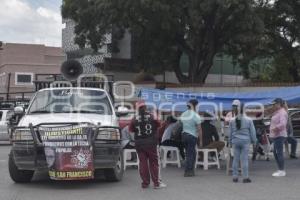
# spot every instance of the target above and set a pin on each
(68, 152)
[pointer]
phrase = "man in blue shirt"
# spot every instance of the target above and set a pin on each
(191, 125)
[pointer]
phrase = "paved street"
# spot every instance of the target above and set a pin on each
(207, 185)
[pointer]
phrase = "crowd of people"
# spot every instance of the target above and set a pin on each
(191, 130)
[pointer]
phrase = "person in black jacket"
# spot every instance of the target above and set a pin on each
(145, 126)
(210, 136)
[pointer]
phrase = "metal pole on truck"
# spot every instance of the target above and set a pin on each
(8, 86)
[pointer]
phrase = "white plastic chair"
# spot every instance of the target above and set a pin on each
(175, 159)
(205, 162)
(127, 156)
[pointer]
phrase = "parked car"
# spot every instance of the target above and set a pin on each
(3, 125)
(7, 114)
(294, 113)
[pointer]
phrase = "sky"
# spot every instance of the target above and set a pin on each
(31, 22)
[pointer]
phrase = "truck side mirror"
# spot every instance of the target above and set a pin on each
(122, 111)
(19, 110)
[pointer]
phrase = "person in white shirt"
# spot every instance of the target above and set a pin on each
(167, 139)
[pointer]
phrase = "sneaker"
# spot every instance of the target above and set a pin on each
(160, 186)
(279, 174)
(247, 180)
(235, 180)
(275, 173)
(293, 157)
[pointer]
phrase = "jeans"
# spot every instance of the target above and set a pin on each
(293, 142)
(190, 143)
(278, 151)
(241, 151)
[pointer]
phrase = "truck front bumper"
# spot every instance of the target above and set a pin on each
(27, 156)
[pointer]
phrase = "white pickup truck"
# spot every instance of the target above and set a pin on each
(63, 107)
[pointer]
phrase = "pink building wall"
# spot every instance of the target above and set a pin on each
(27, 58)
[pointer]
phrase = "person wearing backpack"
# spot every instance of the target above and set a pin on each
(242, 134)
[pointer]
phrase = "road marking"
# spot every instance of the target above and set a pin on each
(2, 160)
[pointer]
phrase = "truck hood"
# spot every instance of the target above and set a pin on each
(35, 119)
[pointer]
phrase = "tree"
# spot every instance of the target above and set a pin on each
(165, 29)
(271, 70)
(282, 21)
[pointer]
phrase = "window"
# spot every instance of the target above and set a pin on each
(1, 113)
(71, 101)
(23, 78)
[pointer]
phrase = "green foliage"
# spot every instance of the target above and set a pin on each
(162, 30)
(280, 72)
(282, 36)
(271, 69)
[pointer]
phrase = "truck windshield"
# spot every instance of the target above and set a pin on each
(71, 101)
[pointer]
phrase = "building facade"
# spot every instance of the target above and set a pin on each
(90, 60)
(20, 63)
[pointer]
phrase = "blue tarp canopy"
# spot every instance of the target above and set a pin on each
(209, 101)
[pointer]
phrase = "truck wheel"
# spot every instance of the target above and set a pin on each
(18, 176)
(115, 174)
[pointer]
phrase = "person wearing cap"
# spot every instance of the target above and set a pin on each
(230, 115)
(242, 134)
(145, 126)
(192, 132)
(278, 134)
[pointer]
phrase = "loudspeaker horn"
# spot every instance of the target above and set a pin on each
(71, 69)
